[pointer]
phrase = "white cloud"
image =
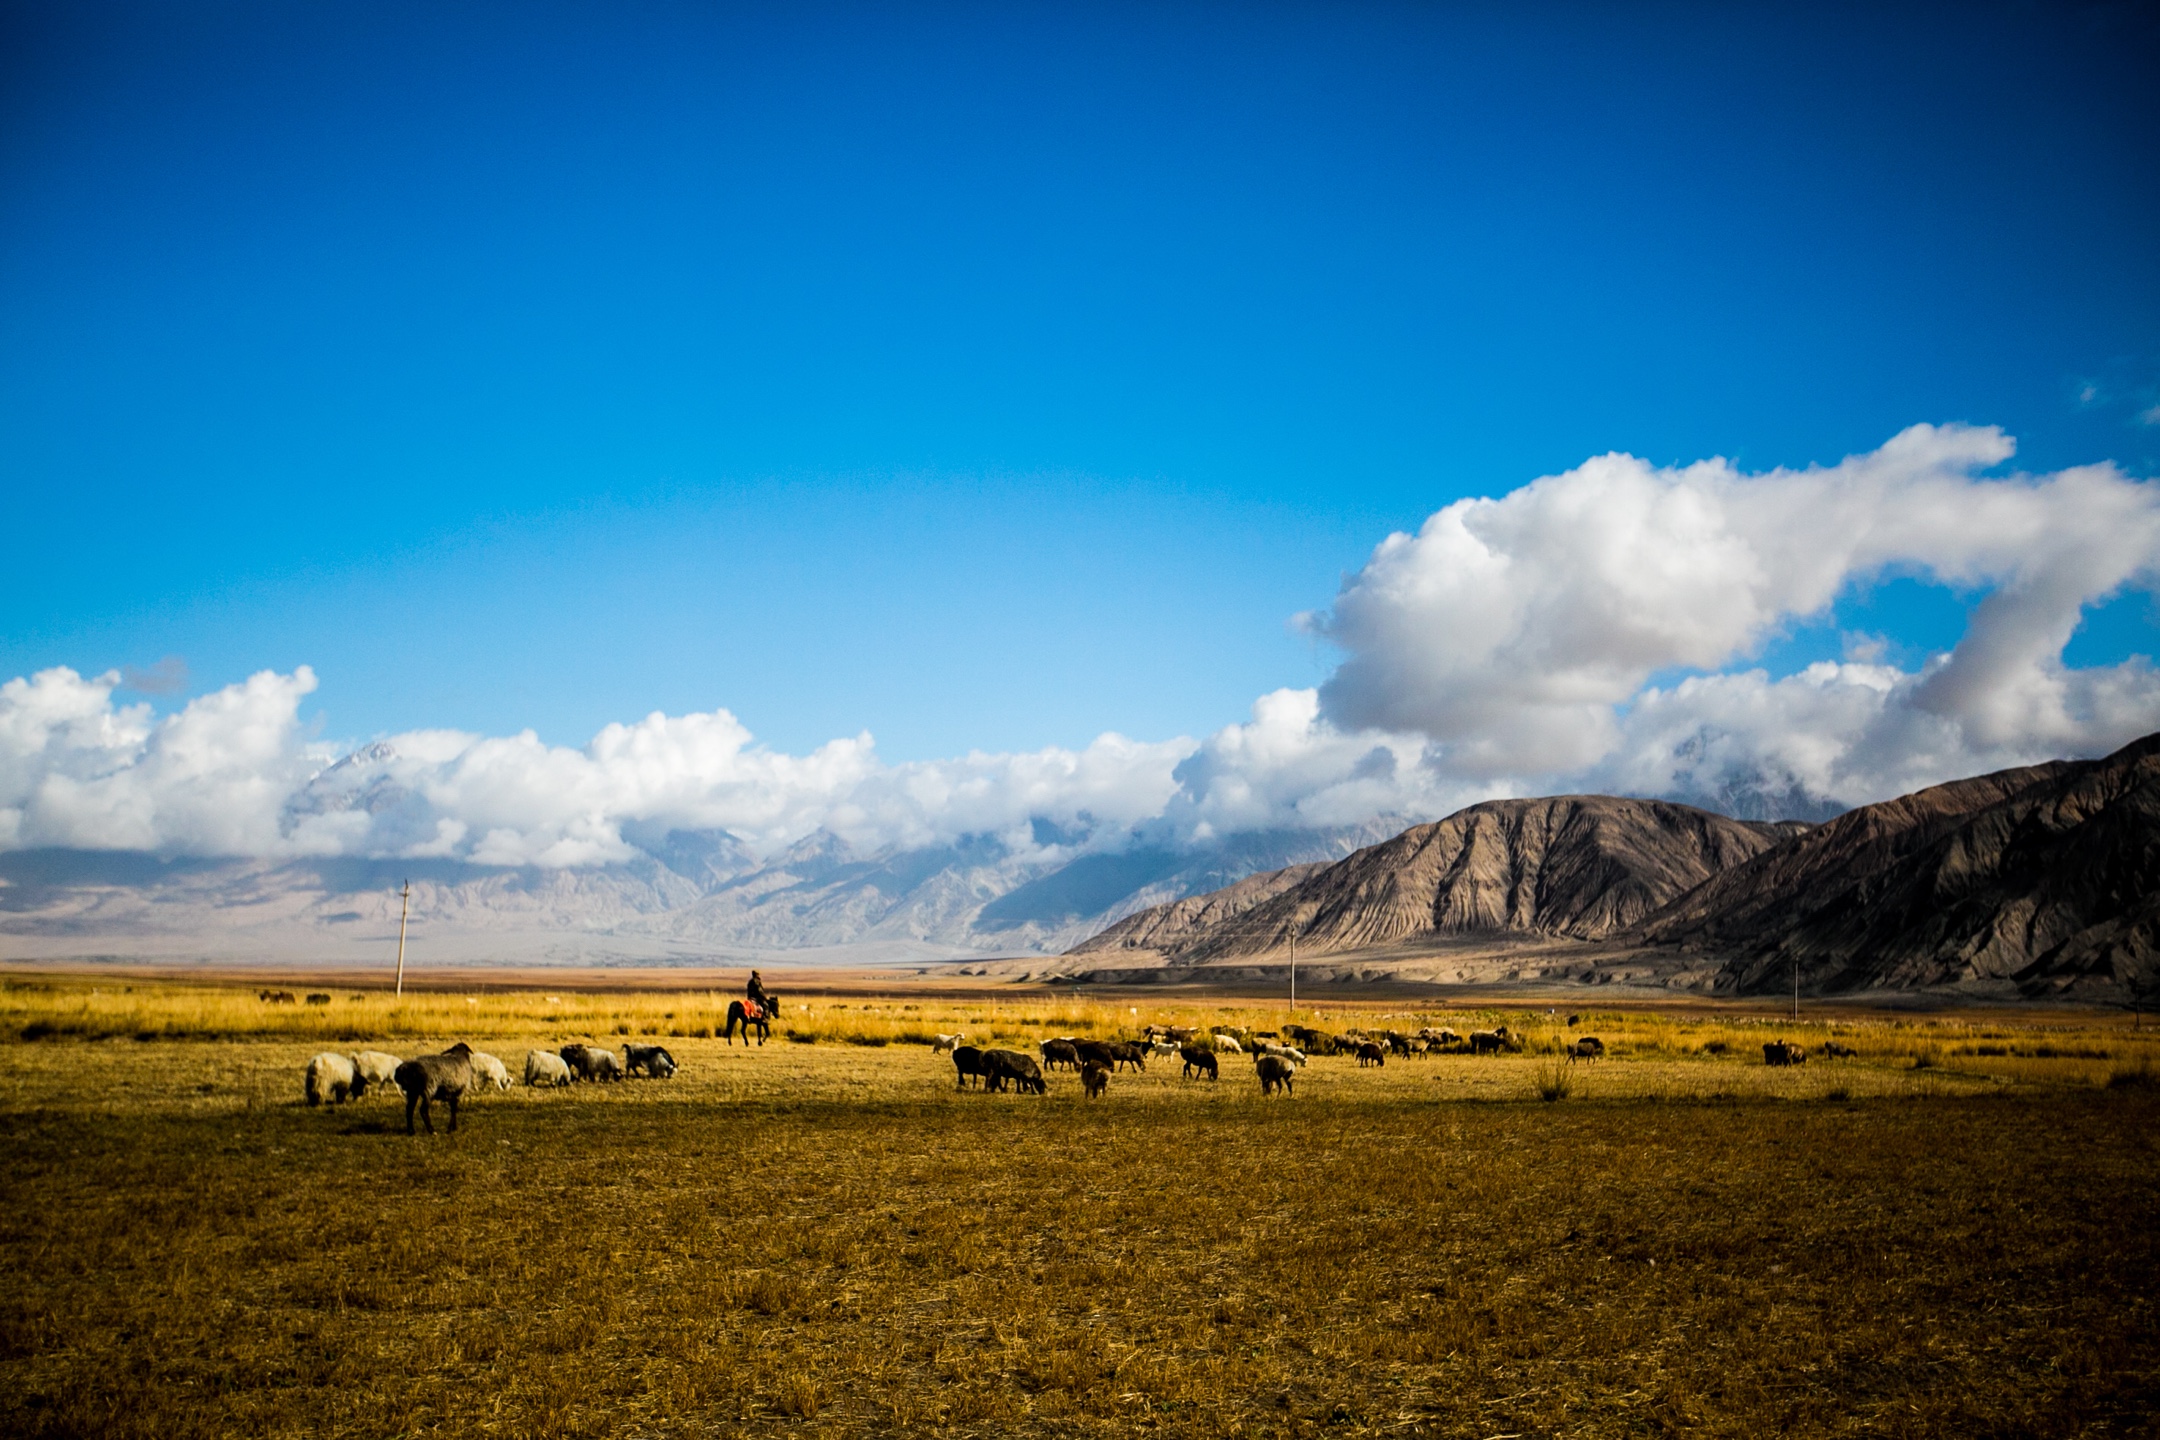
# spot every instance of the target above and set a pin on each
(1521, 634)
(1507, 648)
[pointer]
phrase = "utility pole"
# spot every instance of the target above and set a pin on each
(1293, 967)
(404, 906)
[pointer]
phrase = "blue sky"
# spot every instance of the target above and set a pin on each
(990, 377)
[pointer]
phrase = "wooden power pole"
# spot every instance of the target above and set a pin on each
(404, 906)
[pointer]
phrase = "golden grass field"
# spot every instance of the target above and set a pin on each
(1953, 1234)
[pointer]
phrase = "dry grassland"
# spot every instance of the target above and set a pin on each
(824, 1238)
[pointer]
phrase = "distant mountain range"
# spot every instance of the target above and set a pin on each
(2036, 882)
(688, 897)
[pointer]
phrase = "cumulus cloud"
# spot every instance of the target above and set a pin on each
(1521, 634)
(1523, 645)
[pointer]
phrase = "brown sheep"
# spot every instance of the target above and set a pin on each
(966, 1060)
(1371, 1054)
(1587, 1048)
(1094, 1079)
(445, 1077)
(1060, 1052)
(999, 1066)
(1487, 1042)
(1782, 1052)
(1275, 1073)
(1125, 1053)
(1095, 1052)
(1198, 1060)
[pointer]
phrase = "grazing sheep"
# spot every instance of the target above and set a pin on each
(1227, 1044)
(1163, 1047)
(606, 1065)
(1447, 1037)
(445, 1077)
(1198, 1062)
(318, 998)
(1184, 1034)
(1275, 1073)
(1571, 1021)
(1487, 1042)
(544, 1067)
(377, 1068)
(578, 1058)
(966, 1061)
(331, 1077)
(1832, 1050)
(1095, 1052)
(1094, 1080)
(1783, 1052)
(1587, 1048)
(999, 1066)
(1125, 1053)
(1060, 1052)
(1282, 1052)
(278, 997)
(487, 1070)
(654, 1060)
(1371, 1054)
(945, 1044)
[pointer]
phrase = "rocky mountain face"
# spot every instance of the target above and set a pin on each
(1576, 866)
(688, 897)
(2039, 881)
(2047, 878)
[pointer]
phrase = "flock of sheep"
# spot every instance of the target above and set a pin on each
(333, 1078)
(1276, 1054)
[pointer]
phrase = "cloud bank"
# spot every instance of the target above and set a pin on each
(1587, 631)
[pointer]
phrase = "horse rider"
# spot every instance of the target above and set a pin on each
(755, 993)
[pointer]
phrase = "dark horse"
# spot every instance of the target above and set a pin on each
(743, 1013)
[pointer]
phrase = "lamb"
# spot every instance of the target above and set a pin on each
(1371, 1054)
(1275, 1073)
(331, 1077)
(1094, 1079)
(945, 1044)
(377, 1068)
(543, 1067)
(1198, 1061)
(590, 1062)
(1163, 1047)
(489, 1070)
(654, 1060)
(445, 1077)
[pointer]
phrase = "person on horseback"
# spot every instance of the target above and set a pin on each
(754, 992)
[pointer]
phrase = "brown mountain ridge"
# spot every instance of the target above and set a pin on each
(2040, 881)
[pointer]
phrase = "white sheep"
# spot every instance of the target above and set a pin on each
(490, 1069)
(331, 1077)
(945, 1044)
(1162, 1047)
(1227, 1045)
(545, 1067)
(377, 1069)
(1288, 1052)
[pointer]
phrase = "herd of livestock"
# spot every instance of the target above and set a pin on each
(1277, 1055)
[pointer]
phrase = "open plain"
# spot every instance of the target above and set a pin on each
(1954, 1232)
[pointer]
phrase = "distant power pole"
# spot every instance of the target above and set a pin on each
(1293, 967)
(404, 906)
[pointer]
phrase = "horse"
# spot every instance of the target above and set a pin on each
(746, 1014)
